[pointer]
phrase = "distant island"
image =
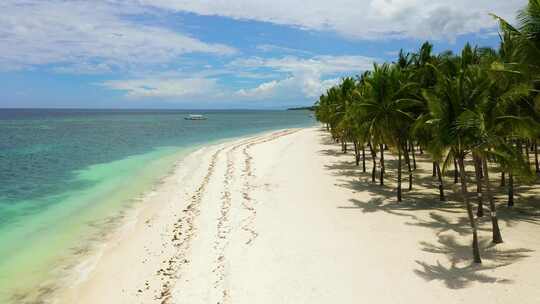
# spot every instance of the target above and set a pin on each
(311, 108)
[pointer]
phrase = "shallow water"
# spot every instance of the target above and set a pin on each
(65, 173)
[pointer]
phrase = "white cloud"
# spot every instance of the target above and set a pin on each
(304, 87)
(85, 68)
(368, 19)
(298, 79)
(281, 49)
(305, 78)
(262, 90)
(166, 88)
(88, 36)
(316, 64)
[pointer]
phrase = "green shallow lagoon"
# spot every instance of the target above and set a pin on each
(66, 174)
(39, 243)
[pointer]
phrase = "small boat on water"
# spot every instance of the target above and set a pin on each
(195, 117)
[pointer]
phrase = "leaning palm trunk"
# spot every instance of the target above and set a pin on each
(441, 185)
(478, 173)
(472, 220)
(381, 175)
(497, 238)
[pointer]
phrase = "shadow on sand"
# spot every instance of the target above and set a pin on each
(455, 276)
(459, 272)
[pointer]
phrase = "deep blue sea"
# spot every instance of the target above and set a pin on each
(63, 170)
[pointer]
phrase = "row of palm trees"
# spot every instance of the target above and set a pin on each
(479, 107)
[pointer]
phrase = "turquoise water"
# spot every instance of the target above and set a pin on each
(64, 173)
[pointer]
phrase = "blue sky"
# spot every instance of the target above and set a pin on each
(216, 54)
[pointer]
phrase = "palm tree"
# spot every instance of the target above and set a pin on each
(344, 123)
(525, 38)
(385, 107)
(425, 130)
(451, 104)
(520, 52)
(482, 104)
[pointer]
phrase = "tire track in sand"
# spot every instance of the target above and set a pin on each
(248, 203)
(183, 233)
(223, 225)
(185, 228)
(247, 224)
(223, 228)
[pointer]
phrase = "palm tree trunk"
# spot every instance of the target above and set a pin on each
(497, 238)
(503, 179)
(434, 170)
(408, 160)
(472, 220)
(381, 174)
(363, 158)
(456, 171)
(480, 169)
(374, 157)
(399, 176)
(480, 211)
(510, 189)
(441, 185)
(356, 153)
(413, 155)
(537, 164)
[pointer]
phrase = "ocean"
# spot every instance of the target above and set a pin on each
(65, 174)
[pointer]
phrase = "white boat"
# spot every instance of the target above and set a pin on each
(195, 117)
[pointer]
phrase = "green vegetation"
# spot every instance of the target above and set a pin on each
(479, 107)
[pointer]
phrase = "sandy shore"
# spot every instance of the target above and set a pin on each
(286, 218)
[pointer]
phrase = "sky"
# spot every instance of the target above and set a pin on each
(203, 54)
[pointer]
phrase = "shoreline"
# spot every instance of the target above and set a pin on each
(72, 227)
(281, 217)
(76, 272)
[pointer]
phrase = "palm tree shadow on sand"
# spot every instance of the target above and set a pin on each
(459, 274)
(405, 208)
(455, 270)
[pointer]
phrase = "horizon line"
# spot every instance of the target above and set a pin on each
(150, 109)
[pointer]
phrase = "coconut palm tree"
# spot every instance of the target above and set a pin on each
(481, 105)
(451, 104)
(386, 104)
(425, 131)
(525, 38)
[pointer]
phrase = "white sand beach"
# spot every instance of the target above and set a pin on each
(285, 217)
